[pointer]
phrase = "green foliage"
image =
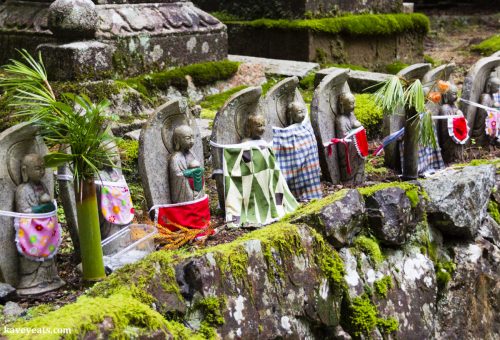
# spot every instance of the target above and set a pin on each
(383, 286)
(270, 83)
(211, 104)
(307, 83)
(395, 67)
(493, 211)
(369, 114)
(488, 46)
(370, 247)
(211, 308)
(430, 60)
(225, 16)
(375, 166)
(354, 25)
(201, 74)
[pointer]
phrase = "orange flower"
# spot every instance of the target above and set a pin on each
(443, 86)
(435, 97)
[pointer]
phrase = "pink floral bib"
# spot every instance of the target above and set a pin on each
(116, 203)
(38, 238)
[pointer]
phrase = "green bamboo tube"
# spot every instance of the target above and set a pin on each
(89, 231)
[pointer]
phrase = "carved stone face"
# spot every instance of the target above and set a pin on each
(451, 96)
(493, 85)
(32, 168)
(183, 138)
(256, 126)
(296, 113)
(347, 103)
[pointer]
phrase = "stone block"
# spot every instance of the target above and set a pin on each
(279, 67)
(358, 81)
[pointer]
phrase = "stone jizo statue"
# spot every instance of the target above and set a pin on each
(296, 113)
(345, 123)
(186, 172)
(451, 151)
(255, 127)
(35, 277)
(489, 121)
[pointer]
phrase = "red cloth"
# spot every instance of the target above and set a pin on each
(460, 130)
(361, 142)
(346, 146)
(193, 215)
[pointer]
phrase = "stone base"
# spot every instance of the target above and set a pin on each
(130, 39)
(32, 291)
(374, 52)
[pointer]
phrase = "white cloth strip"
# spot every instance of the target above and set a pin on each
(293, 126)
(249, 144)
(63, 177)
(446, 117)
(119, 183)
(157, 206)
(28, 215)
(480, 105)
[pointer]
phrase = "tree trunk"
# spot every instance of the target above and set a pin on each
(89, 231)
(410, 155)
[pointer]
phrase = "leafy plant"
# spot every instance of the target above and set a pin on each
(77, 127)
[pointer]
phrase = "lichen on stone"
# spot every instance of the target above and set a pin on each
(413, 191)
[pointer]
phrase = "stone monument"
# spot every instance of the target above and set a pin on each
(474, 87)
(396, 121)
(331, 119)
(170, 143)
(294, 141)
(451, 150)
(84, 39)
(19, 174)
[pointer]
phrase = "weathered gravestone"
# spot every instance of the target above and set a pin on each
(332, 117)
(24, 184)
(294, 142)
(157, 147)
(81, 39)
(474, 88)
(396, 121)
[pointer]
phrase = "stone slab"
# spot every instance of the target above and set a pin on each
(279, 67)
(358, 81)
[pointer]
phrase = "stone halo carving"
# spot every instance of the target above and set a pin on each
(242, 112)
(282, 108)
(168, 126)
(14, 157)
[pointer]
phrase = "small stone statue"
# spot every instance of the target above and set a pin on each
(345, 122)
(488, 121)
(295, 113)
(186, 172)
(451, 151)
(33, 197)
(254, 128)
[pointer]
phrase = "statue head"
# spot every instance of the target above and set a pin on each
(296, 112)
(183, 138)
(493, 85)
(451, 95)
(255, 126)
(347, 102)
(32, 168)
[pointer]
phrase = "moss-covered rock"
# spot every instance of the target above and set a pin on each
(488, 46)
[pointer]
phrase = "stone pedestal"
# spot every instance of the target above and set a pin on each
(125, 37)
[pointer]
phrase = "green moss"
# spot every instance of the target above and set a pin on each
(211, 308)
(129, 149)
(477, 162)
(493, 211)
(330, 262)
(354, 25)
(349, 66)
(383, 286)
(431, 60)
(444, 271)
(488, 46)
(369, 114)
(395, 67)
(271, 81)
(413, 191)
(307, 83)
(315, 206)
(211, 104)
(370, 247)
(387, 326)
(375, 166)
(84, 316)
(362, 316)
(201, 74)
